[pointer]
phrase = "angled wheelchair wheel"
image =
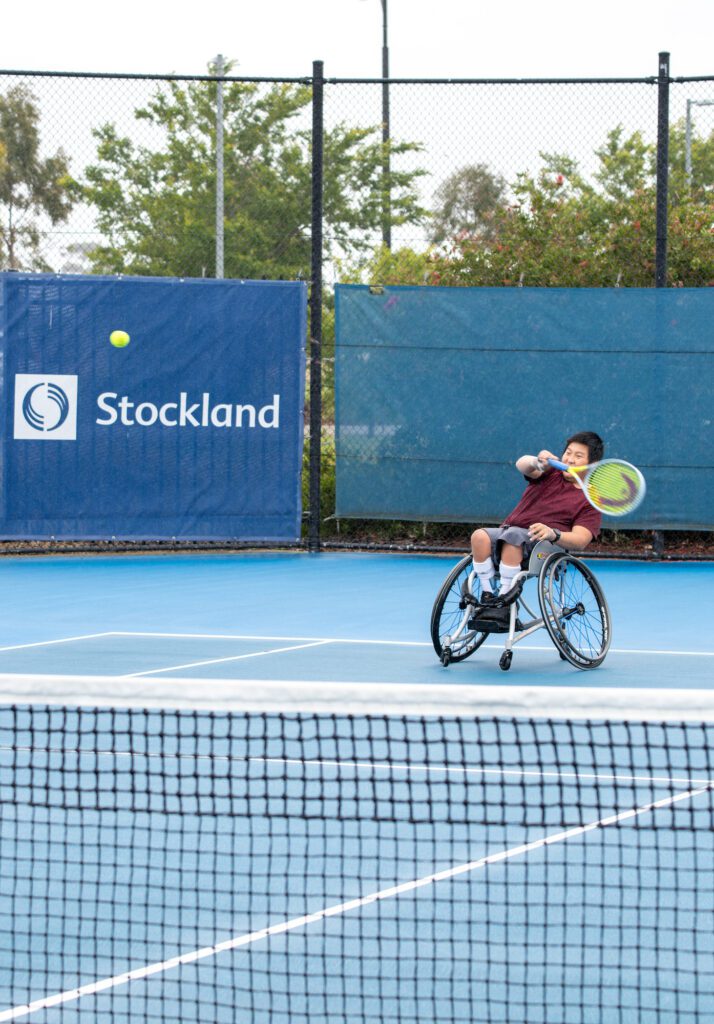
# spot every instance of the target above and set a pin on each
(452, 639)
(574, 610)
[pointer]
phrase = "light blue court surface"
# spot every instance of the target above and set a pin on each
(556, 878)
(356, 618)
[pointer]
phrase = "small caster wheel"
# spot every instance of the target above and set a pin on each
(446, 656)
(505, 661)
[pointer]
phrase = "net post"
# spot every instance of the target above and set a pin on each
(316, 308)
(662, 170)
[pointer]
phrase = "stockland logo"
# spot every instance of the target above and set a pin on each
(185, 411)
(46, 410)
(45, 407)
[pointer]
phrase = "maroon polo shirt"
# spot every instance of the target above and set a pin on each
(554, 501)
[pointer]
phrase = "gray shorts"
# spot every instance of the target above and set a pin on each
(517, 535)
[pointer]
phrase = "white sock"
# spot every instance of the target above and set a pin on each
(485, 572)
(508, 575)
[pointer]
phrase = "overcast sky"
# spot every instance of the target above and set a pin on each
(427, 38)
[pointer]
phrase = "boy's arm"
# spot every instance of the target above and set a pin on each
(534, 466)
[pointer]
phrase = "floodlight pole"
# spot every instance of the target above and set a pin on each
(688, 135)
(219, 166)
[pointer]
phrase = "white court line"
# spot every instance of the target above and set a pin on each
(63, 640)
(252, 636)
(338, 909)
(645, 650)
(218, 661)
(445, 769)
(448, 769)
(388, 643)
(314, 640)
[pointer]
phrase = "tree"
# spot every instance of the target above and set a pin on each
(562, 230)
(156, 206)
(390, 266)
(30, 186)
(466, 203)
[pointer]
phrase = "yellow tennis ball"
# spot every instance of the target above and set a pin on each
(119, 339)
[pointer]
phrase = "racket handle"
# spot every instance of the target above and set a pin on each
(558, 465)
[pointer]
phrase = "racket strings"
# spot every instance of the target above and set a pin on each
(615, 487)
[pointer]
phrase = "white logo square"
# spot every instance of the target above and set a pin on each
(45, 407)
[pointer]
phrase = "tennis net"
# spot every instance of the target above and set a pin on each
(172, 863)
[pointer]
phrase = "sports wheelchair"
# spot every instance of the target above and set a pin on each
(572, 605)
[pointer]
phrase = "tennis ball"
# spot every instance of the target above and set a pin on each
(119, 339)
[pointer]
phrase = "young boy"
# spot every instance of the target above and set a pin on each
(551, 508)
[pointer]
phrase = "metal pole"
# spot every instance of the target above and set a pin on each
(661, 212)
(688, 144)
(316, 308)
(688, 135)
(662, 171)
(219, 166)
(386, 170)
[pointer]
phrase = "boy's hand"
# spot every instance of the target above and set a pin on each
(539, 531)
(543, 458)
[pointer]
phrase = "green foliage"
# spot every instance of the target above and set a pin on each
(327, 480)
(561, 230)
(156, 206)
(390, 266)
(29, 186)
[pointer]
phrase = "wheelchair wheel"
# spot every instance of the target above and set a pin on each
(574, 610)
(452, 639)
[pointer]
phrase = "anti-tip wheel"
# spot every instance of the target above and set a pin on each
(505, 660)
(445, 656)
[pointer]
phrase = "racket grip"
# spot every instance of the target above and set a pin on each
(558, 465)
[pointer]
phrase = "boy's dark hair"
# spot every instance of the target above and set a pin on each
(593, 442)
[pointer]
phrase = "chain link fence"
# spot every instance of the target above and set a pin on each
(501, 183)
(118, 175)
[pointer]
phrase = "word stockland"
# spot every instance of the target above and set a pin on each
(118, 409)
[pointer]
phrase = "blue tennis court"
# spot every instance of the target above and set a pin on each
(338, 617)
(243, 787)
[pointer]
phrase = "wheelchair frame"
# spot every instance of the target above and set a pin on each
(573, 610)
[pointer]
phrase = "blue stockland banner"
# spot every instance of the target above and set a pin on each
(439, 390)
(193, 430)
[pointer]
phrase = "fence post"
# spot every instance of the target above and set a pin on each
(661, 215)
(219, 71)
(313, 536)
(662, 170)
(386, 136)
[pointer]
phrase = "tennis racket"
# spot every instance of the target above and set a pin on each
(611, 486)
